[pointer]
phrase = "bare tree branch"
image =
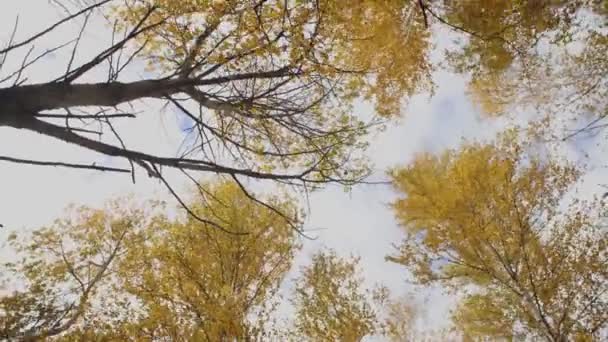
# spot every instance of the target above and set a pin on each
(61, 164)
(54, 26)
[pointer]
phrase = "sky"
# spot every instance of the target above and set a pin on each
(358, 222)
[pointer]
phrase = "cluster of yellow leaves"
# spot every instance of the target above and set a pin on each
(122, 273)
(400, 320)
(376, 49)
(549, 55)
(331, 303)
(62, 268)
(292, 121)
(492, 216)
(216, 280)
(384, 39)
(501, 28)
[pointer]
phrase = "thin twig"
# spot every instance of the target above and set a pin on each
(52, 27)
(62, 164)
(187, 208)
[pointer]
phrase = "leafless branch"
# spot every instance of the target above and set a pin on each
(187, 208)
(54, 26)
(61, 164)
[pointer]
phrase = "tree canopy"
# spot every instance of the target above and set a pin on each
(266, 93)
(548, 55)
(177, 279)
(331, 303)
(494, 218)
(122, 273)
(266, 87)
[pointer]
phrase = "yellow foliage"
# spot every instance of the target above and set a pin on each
(196, 280)
(121, 273)
(376, 49)
(524, 53)
(331, 302)
(63, 267)
(492, 216)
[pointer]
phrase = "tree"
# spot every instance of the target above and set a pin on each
(494, 223)
(118, 274)
(400, 320)
(195, 282)
(266, 86)
(63, 269)
(125, 274)
(331, 302)
(399, 323)
(544, 54)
